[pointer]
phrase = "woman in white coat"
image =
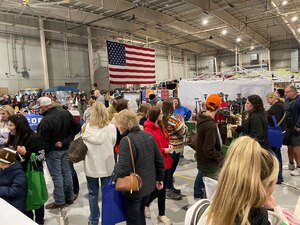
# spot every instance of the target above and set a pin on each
(100, 137)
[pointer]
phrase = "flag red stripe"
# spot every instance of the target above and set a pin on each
(131, 71)
(140, 60)
(139, 53)
(140, 48)
(132, 76)
(140, 65)
(132, 82)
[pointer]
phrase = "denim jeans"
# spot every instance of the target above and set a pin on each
(199, 185)
(135, 210)
(74, 179)
(175, 157)
(93, 188)
(60, 172)
(279, 158)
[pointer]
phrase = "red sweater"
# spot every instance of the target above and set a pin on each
(162, 141)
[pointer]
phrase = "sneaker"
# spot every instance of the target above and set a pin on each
(164, 220)
(172, 195)
(177, 191)
(291, 166)
(147, 212)
(296, 172)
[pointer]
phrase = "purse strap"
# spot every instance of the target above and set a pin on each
(279, 123)
(131, 154)
(274, 121)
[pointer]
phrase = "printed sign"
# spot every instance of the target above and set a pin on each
(33, 120)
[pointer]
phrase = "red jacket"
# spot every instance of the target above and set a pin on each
(162, 141)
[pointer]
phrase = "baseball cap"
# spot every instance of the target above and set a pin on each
(7, 155)
(43, 101)
(117, 95)
(213, 102)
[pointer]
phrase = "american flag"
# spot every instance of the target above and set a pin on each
(129, 64)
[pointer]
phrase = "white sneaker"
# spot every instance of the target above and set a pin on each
(296, 172)
(291, 166)
(165, 220)
(147, 212)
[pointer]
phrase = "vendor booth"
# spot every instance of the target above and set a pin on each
(191, 91)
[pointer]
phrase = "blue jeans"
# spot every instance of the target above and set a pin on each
(74, 179)
(93, 188)
(60, 172)
(279, 158)
(175, 157)
(135, 210)
(199, 185)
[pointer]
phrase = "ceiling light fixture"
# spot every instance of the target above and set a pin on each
(205, 22)
(238, 39)
(284, 3)
(298, 30)
(252, 47)
(294, 18)
(224, 32)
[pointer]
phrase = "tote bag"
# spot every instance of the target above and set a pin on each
(37, 193)
(275, 134)
(113, 208)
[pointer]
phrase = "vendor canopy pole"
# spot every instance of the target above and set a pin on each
(170, 65)
(236, 58)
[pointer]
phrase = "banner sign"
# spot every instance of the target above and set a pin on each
(33, 120)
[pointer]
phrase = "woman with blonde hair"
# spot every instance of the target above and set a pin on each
(149, 164)
(244, 190)
(100, 137)
(277, 112)
(142, 113)
(5, 112)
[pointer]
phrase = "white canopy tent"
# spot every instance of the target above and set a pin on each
(189, 89)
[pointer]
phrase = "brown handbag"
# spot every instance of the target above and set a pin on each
(131, 183)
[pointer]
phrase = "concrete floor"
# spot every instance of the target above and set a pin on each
(287, 195)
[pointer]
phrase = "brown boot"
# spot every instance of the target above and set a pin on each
(54, 206)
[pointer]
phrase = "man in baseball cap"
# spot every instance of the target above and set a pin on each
(43, 104)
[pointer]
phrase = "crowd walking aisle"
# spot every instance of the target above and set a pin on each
(287, 194)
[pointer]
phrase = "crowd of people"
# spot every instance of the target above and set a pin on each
(156, 134)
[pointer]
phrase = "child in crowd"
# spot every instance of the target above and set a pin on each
(12, 179)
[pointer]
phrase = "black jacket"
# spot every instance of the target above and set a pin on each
(258, 216)
(256, 126)
(276, 110)
(33, 144)
(58, 125)
(209, 149)
(149, 163)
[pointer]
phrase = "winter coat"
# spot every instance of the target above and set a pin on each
(256, 126)
(276, 110)
(149, 163)
(99, 160)
(13, 186)
(162, 140)
(209, 150)
(57, 125)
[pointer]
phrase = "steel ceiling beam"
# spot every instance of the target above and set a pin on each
(160, 18)
(227, 18)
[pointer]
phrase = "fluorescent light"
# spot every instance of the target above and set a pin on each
(205, 22)
(294, 18)
(224, 32)
(238, 39)
(284, 3)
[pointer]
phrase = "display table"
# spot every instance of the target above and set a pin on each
(10, 215)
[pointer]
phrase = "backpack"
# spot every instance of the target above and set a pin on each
(195, 212)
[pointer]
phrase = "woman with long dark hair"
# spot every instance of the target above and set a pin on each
(256, 125)
(155, 126)
(25, 141)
